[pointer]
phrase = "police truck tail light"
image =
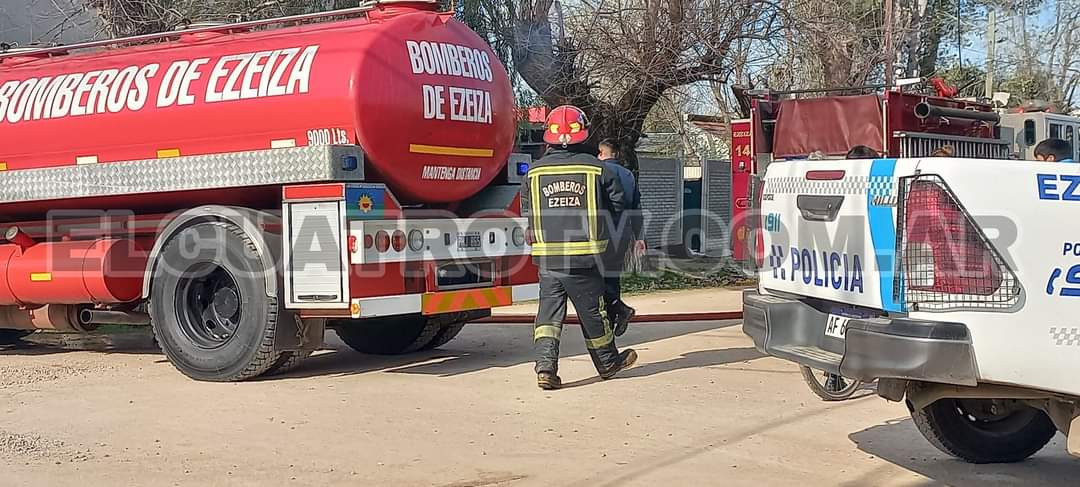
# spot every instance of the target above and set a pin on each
(756, 223)
(382, 241)
(947, 261)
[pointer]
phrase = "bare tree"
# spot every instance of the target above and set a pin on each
(617, 58)
(133, 17)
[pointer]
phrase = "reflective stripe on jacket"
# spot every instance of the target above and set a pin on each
(569, 198)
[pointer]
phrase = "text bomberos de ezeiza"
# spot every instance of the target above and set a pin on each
(233, 77)
(454, 103)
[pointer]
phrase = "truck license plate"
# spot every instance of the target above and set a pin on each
(469, 241)
(836, 326)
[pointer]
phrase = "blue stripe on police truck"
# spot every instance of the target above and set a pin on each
(883, 228)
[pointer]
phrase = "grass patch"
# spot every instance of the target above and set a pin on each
(672, 280)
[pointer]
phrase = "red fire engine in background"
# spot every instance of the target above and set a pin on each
(895, 123)
(243, 187)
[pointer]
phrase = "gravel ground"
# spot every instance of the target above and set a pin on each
(702, 408)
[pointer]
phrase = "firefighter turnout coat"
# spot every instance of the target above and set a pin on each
(569, 198)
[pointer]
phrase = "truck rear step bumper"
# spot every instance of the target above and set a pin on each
(874, 348)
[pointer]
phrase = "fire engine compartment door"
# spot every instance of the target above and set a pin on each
(829, 229)
(315, 257)
(852, 120)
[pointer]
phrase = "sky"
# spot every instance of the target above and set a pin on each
(24, 21)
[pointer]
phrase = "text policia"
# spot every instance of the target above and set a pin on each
(233, 77)
(455, 103)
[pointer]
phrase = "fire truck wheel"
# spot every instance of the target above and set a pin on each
(211, 313)
(11, 337)
(392, 335)
(453, 324)
(985, 430)
(288, 361)
(446, 333)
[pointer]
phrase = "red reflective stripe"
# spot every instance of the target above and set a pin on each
(318, 191)
(825, 175)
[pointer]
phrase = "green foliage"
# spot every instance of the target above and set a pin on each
(670, 280)
(1036, 84)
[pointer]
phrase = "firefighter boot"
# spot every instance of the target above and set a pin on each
(623, 314)
(626, 360)
(548, 381)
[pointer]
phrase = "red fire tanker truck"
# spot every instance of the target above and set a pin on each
(243, 187)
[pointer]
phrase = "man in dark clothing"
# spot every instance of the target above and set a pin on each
(862, 152)
(625, 236)
(569, 197)
(1054, 150)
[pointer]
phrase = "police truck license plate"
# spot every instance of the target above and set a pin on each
(469, 240)
(836, 326)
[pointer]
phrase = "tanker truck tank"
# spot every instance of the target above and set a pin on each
(423, 96)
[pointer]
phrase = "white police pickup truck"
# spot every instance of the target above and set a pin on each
(953, 282)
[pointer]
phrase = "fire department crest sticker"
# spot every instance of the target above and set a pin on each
(365, 203)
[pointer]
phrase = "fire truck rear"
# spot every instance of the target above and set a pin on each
(243, 187)
(795, 125)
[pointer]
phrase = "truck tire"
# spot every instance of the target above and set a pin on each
(827, 386)
(446, 333)
(453, 323)
(211, 313)
(287, 361)
(967, 429)
(11, 337)
(392, 335)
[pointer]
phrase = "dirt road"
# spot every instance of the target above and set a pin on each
(704, 408)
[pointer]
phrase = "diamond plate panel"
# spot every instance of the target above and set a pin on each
(215, 171)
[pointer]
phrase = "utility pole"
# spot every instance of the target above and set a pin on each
(991, 50)
(890, 51)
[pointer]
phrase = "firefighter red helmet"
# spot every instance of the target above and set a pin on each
(566, 125)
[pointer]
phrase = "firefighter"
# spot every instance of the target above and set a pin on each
(569, 197)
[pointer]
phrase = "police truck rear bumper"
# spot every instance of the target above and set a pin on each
(874, 348)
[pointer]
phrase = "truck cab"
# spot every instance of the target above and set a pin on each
(1030, 128)
(950, 281)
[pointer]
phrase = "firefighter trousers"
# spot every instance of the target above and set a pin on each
(584, 288)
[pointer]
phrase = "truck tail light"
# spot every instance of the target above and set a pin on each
(398, 241)
(755, 216)
(382, 241)
(947, 262)
(416, 240)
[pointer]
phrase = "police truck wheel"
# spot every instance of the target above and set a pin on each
(211, 313)
(827, 386)
(392, 335)
(985, 430)
(11, 337)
